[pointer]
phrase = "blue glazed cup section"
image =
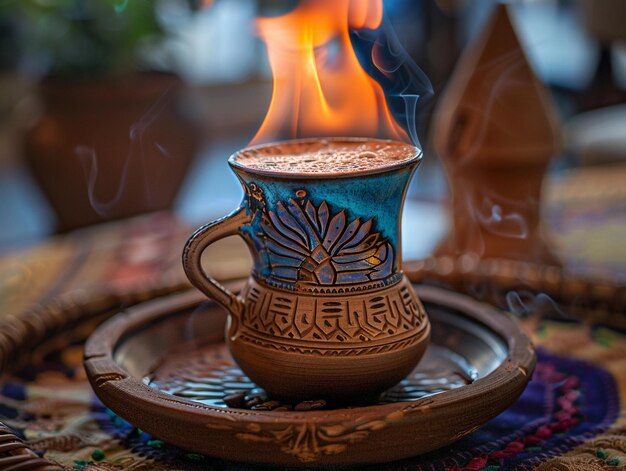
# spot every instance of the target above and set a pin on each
(326, 231)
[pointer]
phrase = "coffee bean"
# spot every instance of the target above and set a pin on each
(310, 405)
(235, 399)
(267, 405)
(254, 397)
(255, 401)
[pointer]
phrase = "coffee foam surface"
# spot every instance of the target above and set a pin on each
(326, 156)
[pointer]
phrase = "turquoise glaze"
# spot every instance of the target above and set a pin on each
(309, 231)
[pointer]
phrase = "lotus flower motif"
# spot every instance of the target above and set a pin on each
(308, 246)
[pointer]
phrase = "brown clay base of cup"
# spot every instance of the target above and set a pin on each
(354, 345)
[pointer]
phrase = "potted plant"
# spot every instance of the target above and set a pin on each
(112, 139)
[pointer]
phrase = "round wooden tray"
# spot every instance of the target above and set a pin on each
(163, 366)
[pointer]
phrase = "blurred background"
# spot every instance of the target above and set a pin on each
(114, 108)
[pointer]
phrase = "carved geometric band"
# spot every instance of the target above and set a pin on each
(354, 319)
(333, 352)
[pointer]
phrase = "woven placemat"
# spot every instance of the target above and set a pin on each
(66, 287)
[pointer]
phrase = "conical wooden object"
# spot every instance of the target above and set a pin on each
(495, 131)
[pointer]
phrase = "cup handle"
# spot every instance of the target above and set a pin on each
(192, 255)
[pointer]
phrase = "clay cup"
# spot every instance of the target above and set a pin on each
(327, 312)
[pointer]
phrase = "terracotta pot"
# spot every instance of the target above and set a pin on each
(109, 149)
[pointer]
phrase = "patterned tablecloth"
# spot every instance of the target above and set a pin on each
(571, 416)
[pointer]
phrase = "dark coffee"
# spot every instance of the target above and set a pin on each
(325, 156)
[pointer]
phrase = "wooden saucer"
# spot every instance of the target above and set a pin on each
(163, 366)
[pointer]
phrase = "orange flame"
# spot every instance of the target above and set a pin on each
(319, 87)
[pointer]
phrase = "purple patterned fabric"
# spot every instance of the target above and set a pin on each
(566, 402)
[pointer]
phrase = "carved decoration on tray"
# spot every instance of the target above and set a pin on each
(104, 378)
(308, 441)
